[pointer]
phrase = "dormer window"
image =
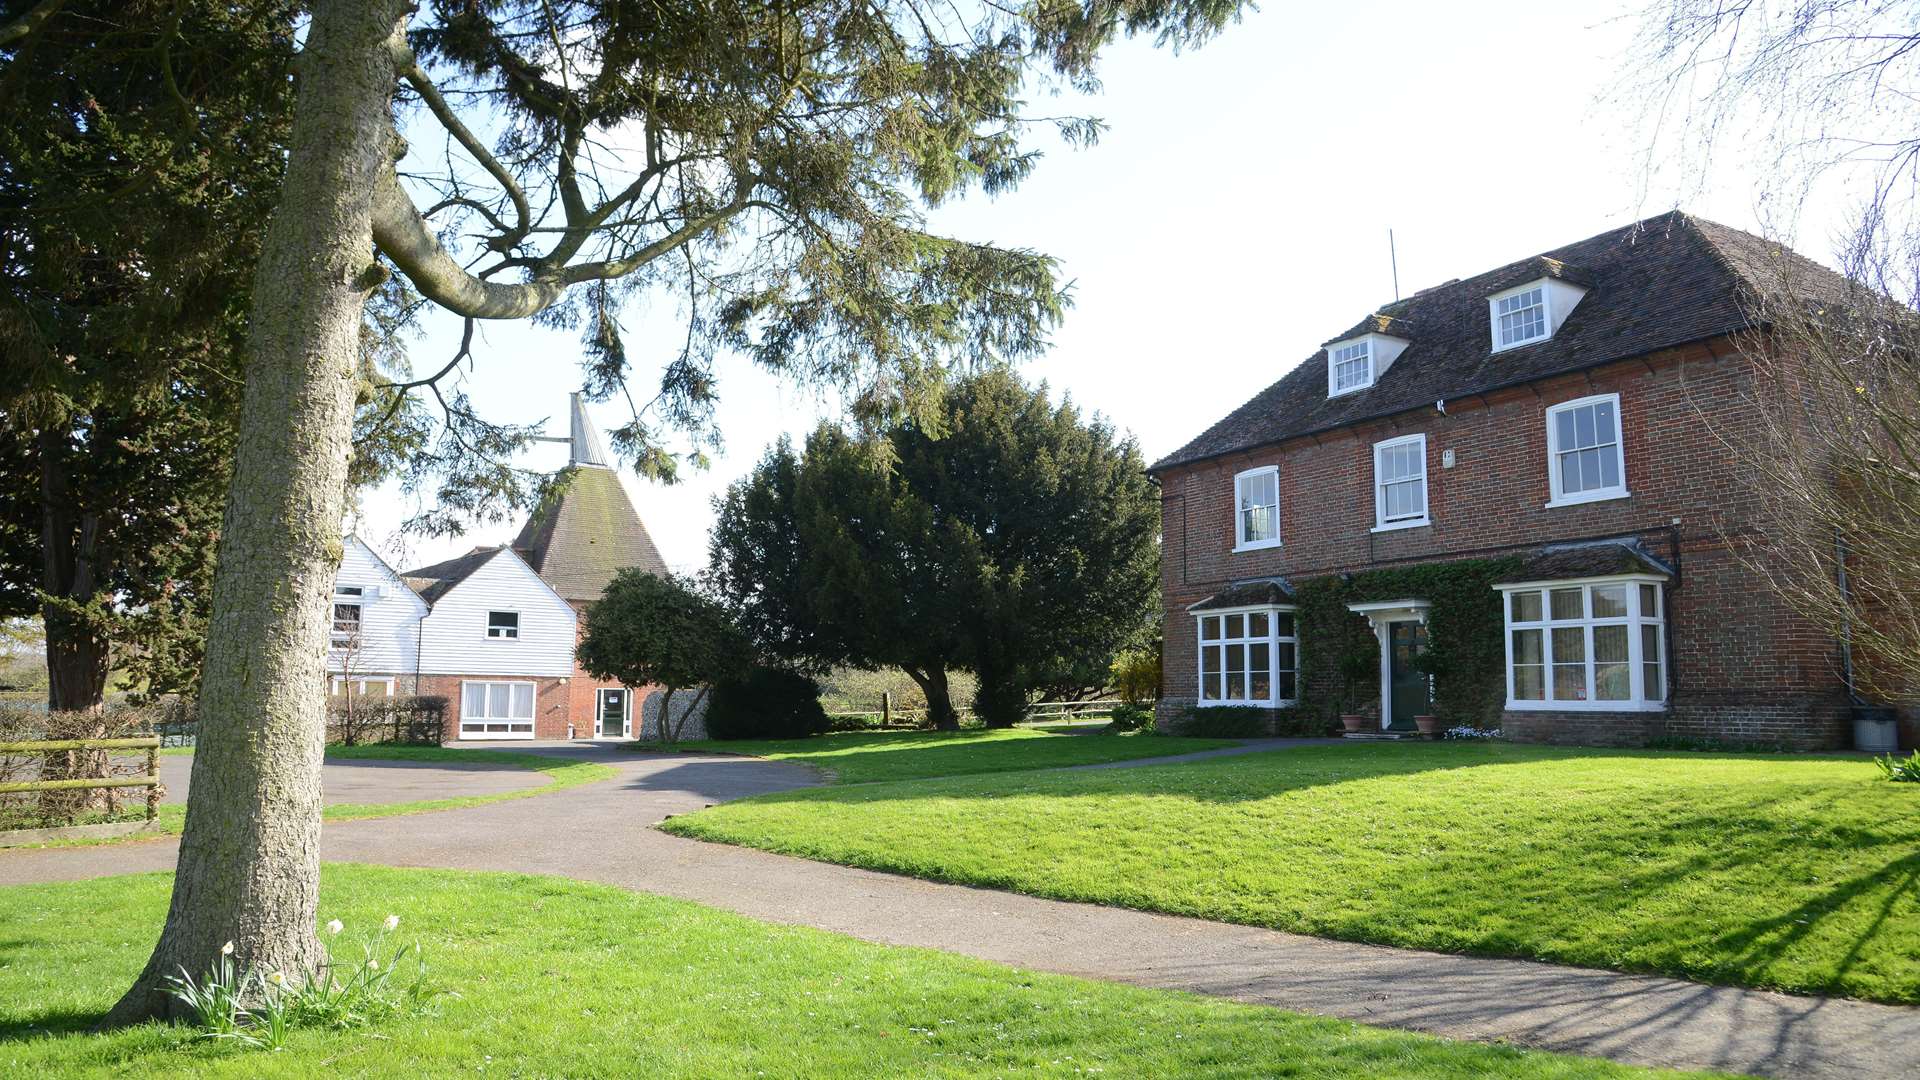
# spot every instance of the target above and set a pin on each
(1349, 367)
(1520, 318)
(1358, 362)
(1532, 312)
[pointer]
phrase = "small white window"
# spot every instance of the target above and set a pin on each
(1585, 645)
(346, 625)
(1519, 317)
(1256, 508)
(347, 590)
(1248, 657)
(1585, 461)
(1349, 367)
(1400, 483)
(503, 624)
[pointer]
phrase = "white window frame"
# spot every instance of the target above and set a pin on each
(1546, 313)
(1272, 640)
(346, 639)
(1240, 541)
(1380, 521)
(507, 724)
(1557, 497)
(338, 681)
(508, 633)
(1334, 360)
(1634, 620)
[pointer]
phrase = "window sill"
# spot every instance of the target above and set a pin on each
(1586, 706)
(1282, 704)
(1396, 526)
(1588, 497)
(1522, 344)
(1257, 545)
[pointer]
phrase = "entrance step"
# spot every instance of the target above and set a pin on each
(1375, 736)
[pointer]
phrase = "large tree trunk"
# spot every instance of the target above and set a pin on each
(77, 652)
(250, 856)
(933, 686)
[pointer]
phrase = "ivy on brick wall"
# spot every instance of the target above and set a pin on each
(1464, 637)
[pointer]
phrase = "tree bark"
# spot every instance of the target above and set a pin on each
(933, 686)
(249, 857)
(77, 652)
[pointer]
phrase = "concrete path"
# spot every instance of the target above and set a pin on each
(378, 781)
(1640, 1020)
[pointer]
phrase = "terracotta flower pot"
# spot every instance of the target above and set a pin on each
(1354, 722)
(1428, 725)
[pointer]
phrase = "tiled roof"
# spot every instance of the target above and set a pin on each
(432, 582)
(1667, 281)
(583, 532)
(1561, 562)
(1247, 594)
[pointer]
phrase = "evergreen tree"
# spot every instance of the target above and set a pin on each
(1009, 537)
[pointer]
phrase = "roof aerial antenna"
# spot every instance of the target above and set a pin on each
(1393, 254)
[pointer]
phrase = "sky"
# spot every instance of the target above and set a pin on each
(1234, 215)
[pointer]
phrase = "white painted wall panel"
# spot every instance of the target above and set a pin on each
(454, 637)
(389, 621)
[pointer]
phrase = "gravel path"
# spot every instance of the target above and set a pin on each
(606, 834)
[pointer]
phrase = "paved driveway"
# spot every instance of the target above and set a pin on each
(370, 781)
(601, 832)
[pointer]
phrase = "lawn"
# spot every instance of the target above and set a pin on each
(558, 978)
(867, 756)
(560, 774)
(1771, 871)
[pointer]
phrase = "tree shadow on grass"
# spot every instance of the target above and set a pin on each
(42, 1023)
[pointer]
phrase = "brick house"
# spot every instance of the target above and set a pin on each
(1555, 426)
(494, 631)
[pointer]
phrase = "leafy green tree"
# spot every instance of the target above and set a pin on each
(1013, 539)
(648, 630)
(769, 163)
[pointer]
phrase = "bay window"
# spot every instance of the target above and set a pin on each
(1595, 644)
(1248, 656)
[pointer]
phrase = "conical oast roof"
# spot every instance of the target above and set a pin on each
(586, 530)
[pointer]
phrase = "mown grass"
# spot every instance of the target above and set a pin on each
(561, 774)
(869, 756)
(559, 978)
(1794, 873)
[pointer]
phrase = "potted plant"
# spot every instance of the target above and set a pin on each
(1356, 667)
(1429, 664)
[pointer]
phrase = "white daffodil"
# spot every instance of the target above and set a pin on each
(227, 949)
(335, 926)
(278, 978)
(393, 921)
(373, 965)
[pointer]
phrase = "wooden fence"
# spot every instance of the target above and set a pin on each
(150, 781)
(890, 715)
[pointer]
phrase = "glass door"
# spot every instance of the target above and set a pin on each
(1410, 691)
(613, 714)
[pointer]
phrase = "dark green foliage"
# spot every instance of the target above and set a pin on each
(649, 630)
(1016, 541)
(766, 703)
(1464, 628)
(406, 720)
(141, 146)
(1225, 722)
(1130, 717)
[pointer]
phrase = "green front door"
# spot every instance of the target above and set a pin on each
(613, 714)
(1410, 690)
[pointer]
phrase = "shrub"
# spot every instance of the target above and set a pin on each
(407, 720)
(1128, 717)
(1136, 675)
(1225, 722)
(1901, 770)
(766, 703)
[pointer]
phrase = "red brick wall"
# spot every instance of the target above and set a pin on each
(550, 708)
(1734, 648)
